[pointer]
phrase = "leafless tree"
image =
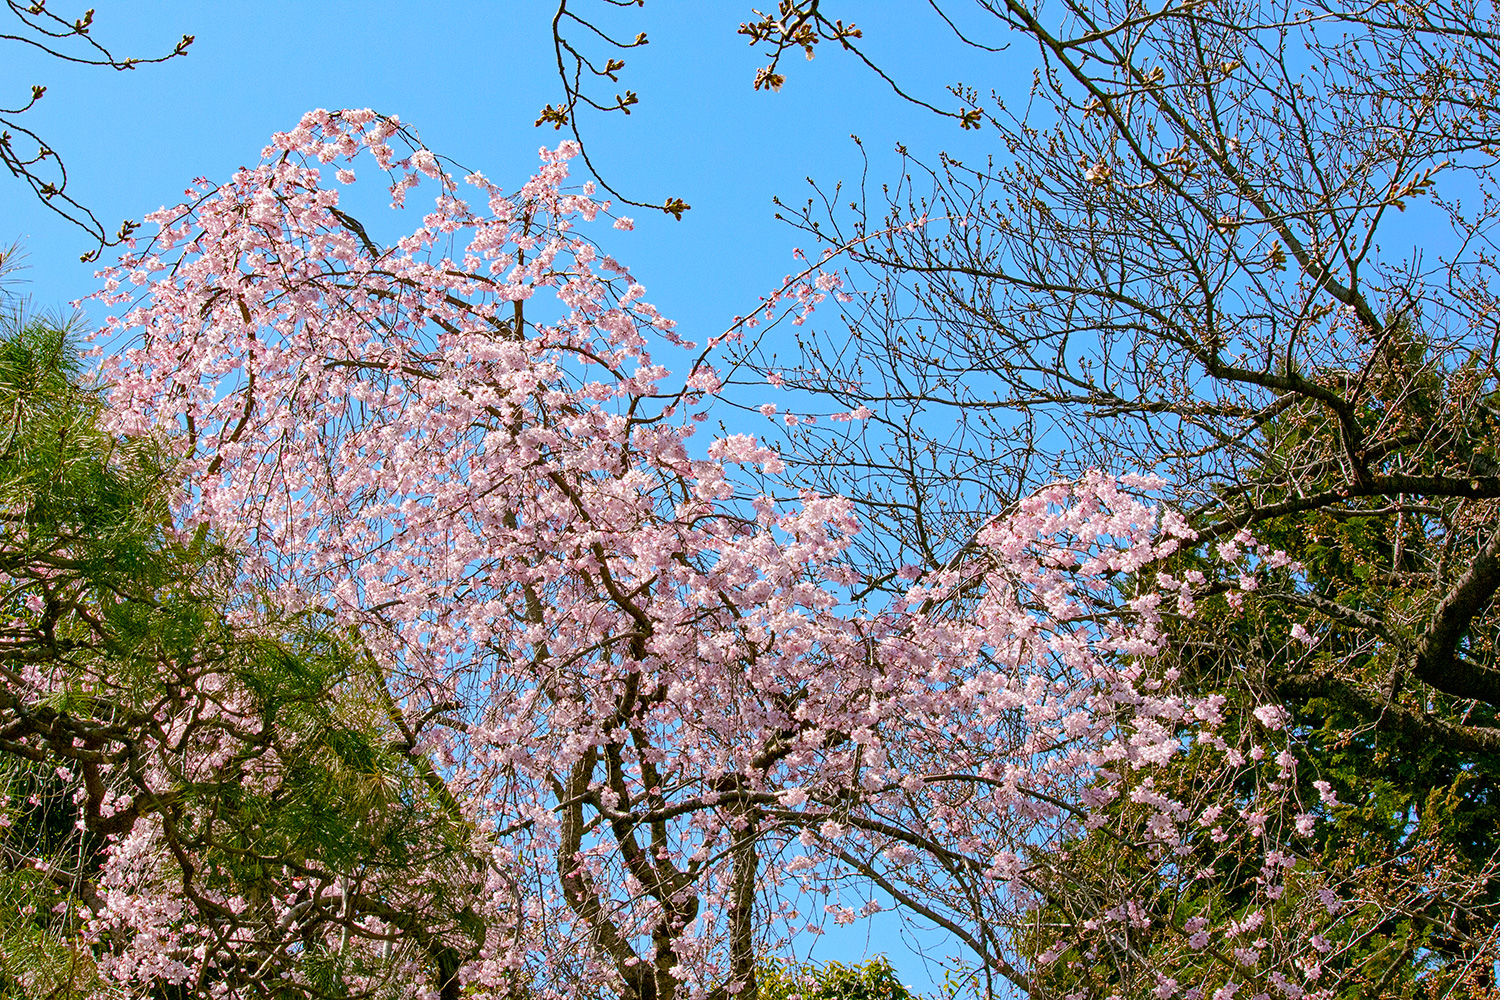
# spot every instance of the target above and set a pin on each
(1247, 246)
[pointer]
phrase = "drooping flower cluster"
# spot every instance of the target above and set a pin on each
(640, 693)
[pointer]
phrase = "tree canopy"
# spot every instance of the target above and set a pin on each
(1113, 592)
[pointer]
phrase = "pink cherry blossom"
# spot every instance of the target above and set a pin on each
(639, 682)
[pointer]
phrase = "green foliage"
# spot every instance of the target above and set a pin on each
(874, 979)
(78, 526)
(127, 645)
(1412, 847)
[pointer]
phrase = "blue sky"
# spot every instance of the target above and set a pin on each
(471, 78)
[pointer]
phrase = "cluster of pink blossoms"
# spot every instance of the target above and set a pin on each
(644, 690)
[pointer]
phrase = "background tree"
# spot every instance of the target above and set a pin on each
(873, 979)
(148, 700)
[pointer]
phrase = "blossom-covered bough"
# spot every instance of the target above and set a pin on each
(593, 717)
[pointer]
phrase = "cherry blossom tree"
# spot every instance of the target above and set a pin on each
(580, 709)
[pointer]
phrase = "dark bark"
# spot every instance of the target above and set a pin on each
(1436, 660)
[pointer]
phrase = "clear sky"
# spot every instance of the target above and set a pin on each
(472, 77)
